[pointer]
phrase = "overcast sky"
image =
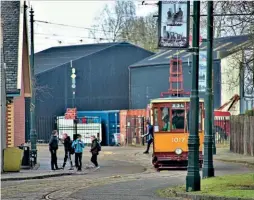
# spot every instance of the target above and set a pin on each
(75, 13)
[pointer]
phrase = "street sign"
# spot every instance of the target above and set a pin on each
(73, 76)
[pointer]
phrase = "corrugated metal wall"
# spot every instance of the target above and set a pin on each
(102, 83)
(148, 82)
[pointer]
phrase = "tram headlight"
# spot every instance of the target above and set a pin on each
(178, 151)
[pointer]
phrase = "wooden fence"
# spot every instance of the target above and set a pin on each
(242, 135)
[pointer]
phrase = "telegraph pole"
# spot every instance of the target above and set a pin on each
(193, 176)
(33, 135)
(208, 169)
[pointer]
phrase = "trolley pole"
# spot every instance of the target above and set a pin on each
(33, 135)
(193, 176)
(208, 169)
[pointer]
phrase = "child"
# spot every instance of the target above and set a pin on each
(78, 146)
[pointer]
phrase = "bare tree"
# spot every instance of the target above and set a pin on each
(41, 91)
(142, 31)
(112, 20)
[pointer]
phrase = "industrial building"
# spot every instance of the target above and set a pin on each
(101, 79)
(150, 77)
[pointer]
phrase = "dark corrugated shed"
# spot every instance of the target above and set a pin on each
(102, 81)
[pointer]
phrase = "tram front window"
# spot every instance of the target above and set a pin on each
(178, 119)
(165, 125)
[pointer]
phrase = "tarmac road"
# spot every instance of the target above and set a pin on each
(121, 176)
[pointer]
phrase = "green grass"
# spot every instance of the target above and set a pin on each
(240, 185)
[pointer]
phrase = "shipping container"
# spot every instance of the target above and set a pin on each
(110, 124)
(137, 112)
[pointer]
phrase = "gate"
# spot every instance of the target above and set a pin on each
(85, 126)
(134, 130)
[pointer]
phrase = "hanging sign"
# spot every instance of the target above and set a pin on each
(174, 24)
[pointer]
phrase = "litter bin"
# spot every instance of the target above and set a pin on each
(12, 159)
(26, 155)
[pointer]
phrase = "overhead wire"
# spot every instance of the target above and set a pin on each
(98, 38)
(72, 26)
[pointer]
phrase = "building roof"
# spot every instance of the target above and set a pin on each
(10, 15)
(225, 45)
(56, 56)
(173, 99)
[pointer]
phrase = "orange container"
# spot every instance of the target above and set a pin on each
(123, 115)
(137, 112)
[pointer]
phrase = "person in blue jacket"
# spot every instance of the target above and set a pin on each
(78, 146)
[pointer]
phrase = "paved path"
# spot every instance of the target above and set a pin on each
(122, 177)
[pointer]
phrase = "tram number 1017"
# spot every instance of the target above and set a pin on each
(175, 139)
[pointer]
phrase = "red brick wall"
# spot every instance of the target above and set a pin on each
(19, 118)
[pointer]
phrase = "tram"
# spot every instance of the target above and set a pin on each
(171, 120)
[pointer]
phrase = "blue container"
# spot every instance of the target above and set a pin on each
(110, 124)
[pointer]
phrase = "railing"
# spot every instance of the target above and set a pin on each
(222, 129)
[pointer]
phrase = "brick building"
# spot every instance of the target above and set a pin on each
(16, 59)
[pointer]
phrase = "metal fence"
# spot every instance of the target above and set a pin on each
(134, 130)
(222, 130)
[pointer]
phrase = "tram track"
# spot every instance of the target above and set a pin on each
(66, 192)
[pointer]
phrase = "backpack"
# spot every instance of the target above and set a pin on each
(98, 146)
(72, 150)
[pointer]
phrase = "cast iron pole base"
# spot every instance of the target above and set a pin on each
(208, 169)
(33, 151)
(193, 175)
(193, 182)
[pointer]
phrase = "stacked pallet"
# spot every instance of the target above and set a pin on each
(71, 113)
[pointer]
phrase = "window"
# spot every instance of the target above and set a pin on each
(165, 122)
(155, 120)
(200, 119)
(178, 119)
(155, 115)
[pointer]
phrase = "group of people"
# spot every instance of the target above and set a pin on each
(72, 147)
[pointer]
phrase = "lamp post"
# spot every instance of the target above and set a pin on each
(33, 135)
(73, 85)
(208, 169)
(193, 176)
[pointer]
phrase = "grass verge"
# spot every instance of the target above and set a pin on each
(240, 186)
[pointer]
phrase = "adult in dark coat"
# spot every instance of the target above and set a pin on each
(53, 147)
